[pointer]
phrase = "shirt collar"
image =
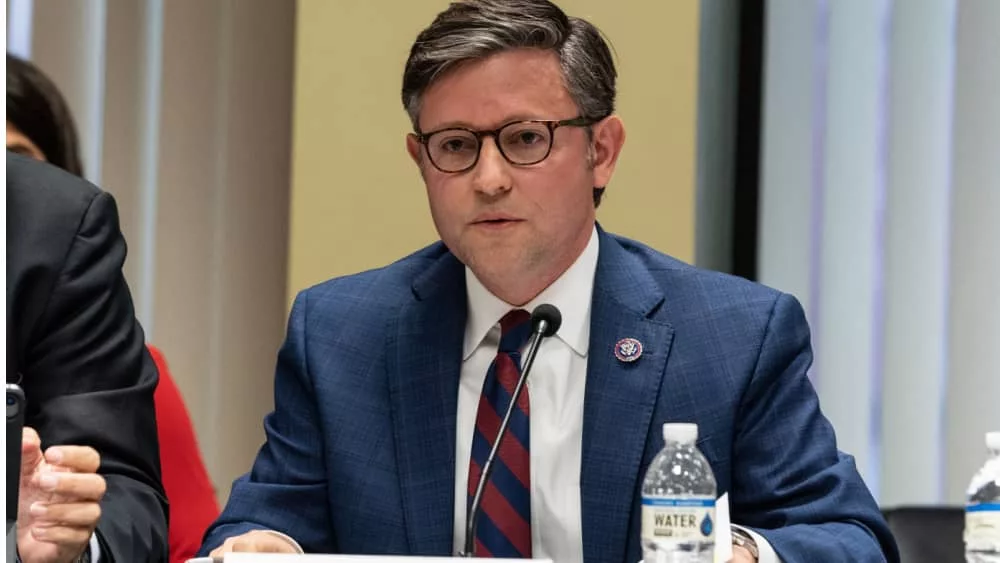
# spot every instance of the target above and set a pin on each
(571, 293)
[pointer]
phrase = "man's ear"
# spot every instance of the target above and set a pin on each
(414, 146)
(607, 143)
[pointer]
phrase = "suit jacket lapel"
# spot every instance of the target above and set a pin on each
(424, 362)
(620, 397)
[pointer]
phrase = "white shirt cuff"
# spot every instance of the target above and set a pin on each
(765, 553)
(95, 548)
(295, 544)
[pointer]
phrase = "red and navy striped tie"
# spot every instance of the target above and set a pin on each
(504, 527)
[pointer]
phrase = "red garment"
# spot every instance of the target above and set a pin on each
(193, 506)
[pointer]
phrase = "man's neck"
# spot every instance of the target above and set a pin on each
(519, 290)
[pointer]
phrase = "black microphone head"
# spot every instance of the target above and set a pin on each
(548, 314)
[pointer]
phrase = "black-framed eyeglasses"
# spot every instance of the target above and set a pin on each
(523, 143)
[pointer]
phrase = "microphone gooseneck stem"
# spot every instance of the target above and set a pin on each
(484, 477)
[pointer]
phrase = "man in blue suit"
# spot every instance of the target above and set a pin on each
(390, 384)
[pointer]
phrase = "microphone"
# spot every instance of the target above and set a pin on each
(545, 321)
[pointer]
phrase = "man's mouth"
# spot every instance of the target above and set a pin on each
(495, 222)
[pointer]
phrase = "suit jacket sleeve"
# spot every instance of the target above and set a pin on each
(286, 490)
(790, 483)
(89, 381)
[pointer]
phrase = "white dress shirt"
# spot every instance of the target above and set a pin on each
(556, 391)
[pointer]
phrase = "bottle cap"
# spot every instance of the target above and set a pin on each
(993, 440)
(681, 432)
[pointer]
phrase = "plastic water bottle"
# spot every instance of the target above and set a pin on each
(678, 501)
(982, 511)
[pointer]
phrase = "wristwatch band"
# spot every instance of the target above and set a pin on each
(743, 539)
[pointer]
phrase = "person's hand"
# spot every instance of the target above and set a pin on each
(742, 555)
(58, 508)
(256, 541)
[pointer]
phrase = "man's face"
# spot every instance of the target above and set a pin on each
(499, 218)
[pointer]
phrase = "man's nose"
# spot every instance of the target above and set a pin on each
(491, 176)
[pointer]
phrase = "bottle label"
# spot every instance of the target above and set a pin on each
(678, 519)
(982, 525)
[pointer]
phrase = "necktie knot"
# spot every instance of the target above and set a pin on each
(515, 328)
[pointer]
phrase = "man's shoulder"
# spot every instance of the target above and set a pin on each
(38, 190)
(694, 291)
(46, 208)
(388, 287)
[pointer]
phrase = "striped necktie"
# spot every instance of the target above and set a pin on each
(504, 526)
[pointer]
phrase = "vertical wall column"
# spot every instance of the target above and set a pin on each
(973, 404)
(916, 252)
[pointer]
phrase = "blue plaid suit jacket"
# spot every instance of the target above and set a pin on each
(360, 450)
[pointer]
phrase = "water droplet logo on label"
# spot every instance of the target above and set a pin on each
(706, 525)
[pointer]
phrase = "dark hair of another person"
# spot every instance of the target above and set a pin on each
(37, 109)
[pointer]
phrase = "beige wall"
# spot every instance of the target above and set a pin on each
(357, 200)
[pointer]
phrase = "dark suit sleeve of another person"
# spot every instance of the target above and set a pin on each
(82, 359)
(790, 483)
